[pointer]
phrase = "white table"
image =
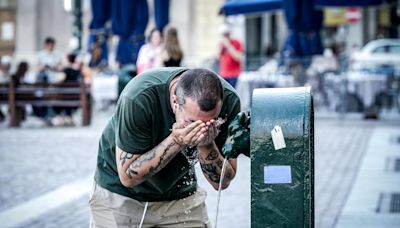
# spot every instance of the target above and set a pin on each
(104, 88)
(250, 80)
(366, 85)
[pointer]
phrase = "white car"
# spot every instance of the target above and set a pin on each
(377, 53)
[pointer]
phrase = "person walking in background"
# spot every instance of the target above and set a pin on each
(171, 53)
(230, 56)
(147, 57)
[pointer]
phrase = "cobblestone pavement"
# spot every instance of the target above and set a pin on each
(339, 148)
(35, 161)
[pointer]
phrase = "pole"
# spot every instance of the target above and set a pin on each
(77, 24)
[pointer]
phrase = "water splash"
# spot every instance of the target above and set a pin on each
(219, 189)
(220, 121)
(191, 155)
(191, 152)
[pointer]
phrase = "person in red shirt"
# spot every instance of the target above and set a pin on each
(230, 57)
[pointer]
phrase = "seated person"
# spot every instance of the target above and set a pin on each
(49, 61)
(72, 74)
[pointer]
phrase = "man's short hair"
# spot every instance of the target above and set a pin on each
(49, 40)
(71, 58)
(201, 85)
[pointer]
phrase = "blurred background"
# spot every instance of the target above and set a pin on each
(63, 64)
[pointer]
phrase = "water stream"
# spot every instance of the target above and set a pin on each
(219, 189)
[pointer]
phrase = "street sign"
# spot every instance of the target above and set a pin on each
(352, 15)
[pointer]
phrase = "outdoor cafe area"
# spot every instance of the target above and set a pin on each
(366, 91)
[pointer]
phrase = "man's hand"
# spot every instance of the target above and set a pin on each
(189, 135)
(212, 132)
(238, 140)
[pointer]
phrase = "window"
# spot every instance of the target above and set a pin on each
(8, 4)
(395, 49)
(380, 50)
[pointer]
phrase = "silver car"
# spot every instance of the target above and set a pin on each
(377, 53)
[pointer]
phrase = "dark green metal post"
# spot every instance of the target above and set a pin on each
(77, 24)
(282, 158)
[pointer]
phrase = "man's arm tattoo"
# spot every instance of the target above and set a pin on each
(212, 155)
(164, 159)
(147, 157)
(132, 169)
(211, 171)
(125, 156)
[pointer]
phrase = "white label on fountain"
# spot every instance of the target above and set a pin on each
(277, 138)
(277, 174)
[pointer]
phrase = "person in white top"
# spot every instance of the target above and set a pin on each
(147, 57)
(49, 60)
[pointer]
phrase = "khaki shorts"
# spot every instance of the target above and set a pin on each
(108, 209)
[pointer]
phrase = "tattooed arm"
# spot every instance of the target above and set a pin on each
(211, 162)
(133, 169)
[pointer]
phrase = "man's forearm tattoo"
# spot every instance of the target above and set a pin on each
(228, 174)
(219, 164)
(132, 169)
(211, 171)
(125, 156)
(212, 155)
(164, 159)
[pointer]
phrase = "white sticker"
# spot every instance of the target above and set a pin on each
(277, 138)
(277, 174)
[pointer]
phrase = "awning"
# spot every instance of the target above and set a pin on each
(345, 3)
(234, 7)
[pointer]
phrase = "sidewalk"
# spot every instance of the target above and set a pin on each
(375, 198)
(39, 163)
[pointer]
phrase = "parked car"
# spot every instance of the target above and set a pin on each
(377, 53)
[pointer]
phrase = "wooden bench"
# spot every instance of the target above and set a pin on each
(66, 94)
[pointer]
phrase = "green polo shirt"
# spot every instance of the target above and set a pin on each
(142, 120)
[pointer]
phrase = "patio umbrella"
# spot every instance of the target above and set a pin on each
(97, 41)
(234, 7)
(304, 23)
(161, 13)
(129, 21)
(100, 13)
